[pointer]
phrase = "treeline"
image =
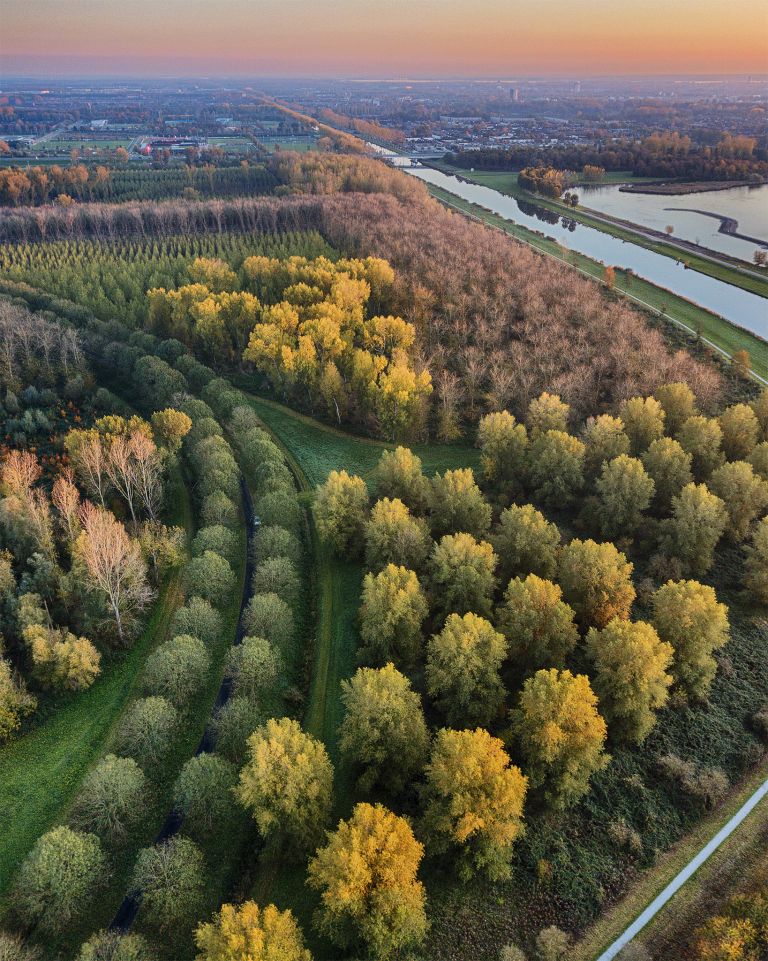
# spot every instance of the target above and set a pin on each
(660, 155)
(365, 128)
(33, 186)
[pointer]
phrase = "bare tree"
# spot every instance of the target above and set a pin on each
(66, 500)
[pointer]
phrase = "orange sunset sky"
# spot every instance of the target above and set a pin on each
(367, 38)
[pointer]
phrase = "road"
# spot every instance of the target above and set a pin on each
(685, 874)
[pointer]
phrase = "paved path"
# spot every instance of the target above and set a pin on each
(687, 872)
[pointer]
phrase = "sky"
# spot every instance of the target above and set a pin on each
(384, 38)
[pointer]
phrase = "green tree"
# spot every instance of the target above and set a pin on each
(756, 576)
(631, 679)
(457, 504)
(148, 729)
(560, 734)
(597, 582)
(463, 664)
(393, 536)
(177, 670)
(556, 468)
(537, 623)
(383, 730)
(341, 510)
(255, 666)
(702, 438)
(698, 521)
(741, 431)
(547, 412)
(277, 575)
(625, 493)
(503, 447)
(114, 946)
(203, 791)
(197, 618)
(286, 783)
(392, 610)
(274, 541)
(246, 932)
(216, 538)
(112, 798)
(268, 616)
(745, 496)
(171, 878)
(367, 878)
(604, 438)
(525, 542)
(643, 419)
(462, 575)
(58, 879)
(679, 403)
(474, 801)
(15, 702)
(688, 616)
(210, 576)
(398, 475)
(669, 467)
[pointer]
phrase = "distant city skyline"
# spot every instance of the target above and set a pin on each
(388, 38)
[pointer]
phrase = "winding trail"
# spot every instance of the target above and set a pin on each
(685, 874)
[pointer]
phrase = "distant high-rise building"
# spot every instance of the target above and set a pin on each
(515, 94)
(577, 86)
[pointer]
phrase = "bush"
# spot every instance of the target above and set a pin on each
(112, 798)
(210, 576)
(148, 729)
(707, 784)
(216, 538)
(12, 948)
(115, 946)
(277, 575)
(58, 879)
(255, 667)
(171, 878)
(198, 618)
(177, 670)
(552, 944)
(203, 791)
(233, 724)
(270, 617)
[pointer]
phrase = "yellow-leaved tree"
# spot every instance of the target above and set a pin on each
(246, 932)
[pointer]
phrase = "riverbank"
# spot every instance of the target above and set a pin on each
(695, 187)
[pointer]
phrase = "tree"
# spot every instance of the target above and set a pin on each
(546, 413)
(759, 460)
(392, 536)
(474, 801)
(216, 538)
(277, 575)
(625, 491)
(597, 582)
(702, 438)
(698, 521)
(171, 427)
(383, 730)
(760, 407)
(232, 724)
(688, 616)
(203, 791)
(755, 579)
(286, 782)
(560, 734)
(15, 702)
(198, 618)
(268, 616)
(211, 577)
(745, 496)
(246, 932)
(462, 575)
(503, 447)
(112, 797)
(525, 542)
(276, 541)
(537, 624)
(148, 729)
(177, 670)
(366, 876)
(112, 567)
(398, 475)
(678, 402)
(631, 679)
(456, 504)
(669, 467)
(552, 944)
(392, 609)
(171, 878)
(604, 438)
(741, 431)
(12, 947)
(643, 419)
(255, 666)
(217, 508)
(463, 663)
(341, 509)
(556, 468)
(62, 661)
(58, 878)
(115, 946)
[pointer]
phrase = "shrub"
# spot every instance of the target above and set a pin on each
(112, 798)
(203, 791)
(462, 575)
(197, 618)
(596, 580)
(255, 666)
(216, 538)
(12, 948)
(210, 576)
(552, 944)
(171, 878)
(526, 543)
(537, 624)
(277, 575)
(58, 878)
(707, 784)
(177, 670)
(270, 617)
(247, 931)
(148, 729)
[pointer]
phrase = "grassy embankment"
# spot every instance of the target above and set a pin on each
(506, 182)
(732, 864)
(661, 303)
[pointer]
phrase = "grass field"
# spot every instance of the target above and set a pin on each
(41, 771)
(506, 183)
(662, 303)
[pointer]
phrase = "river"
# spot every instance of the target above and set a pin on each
(739, 306)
